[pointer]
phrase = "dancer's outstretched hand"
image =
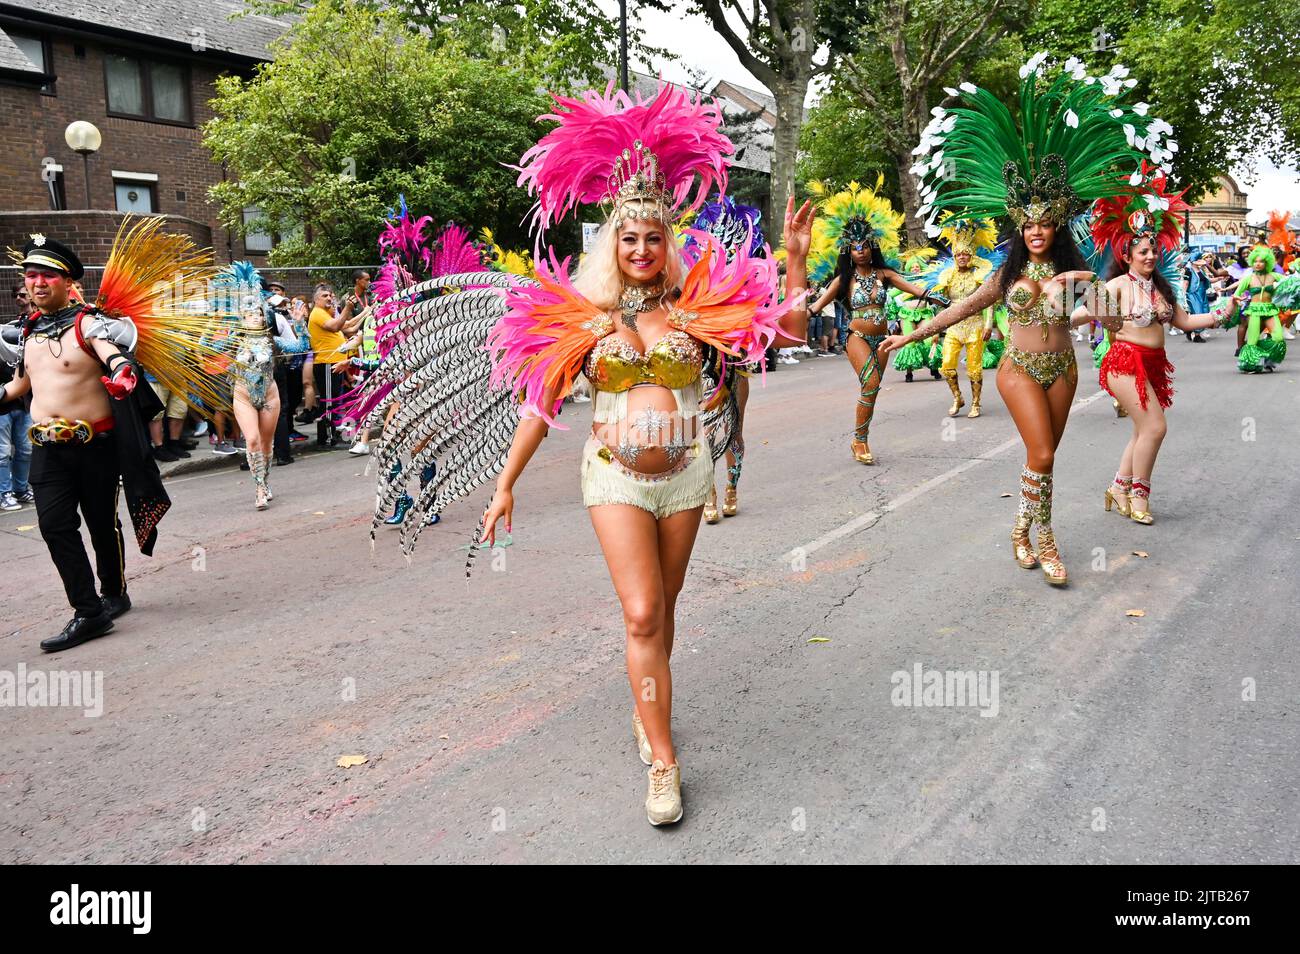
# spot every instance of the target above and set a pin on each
(502, 505)
(892, 343)
(798, 228)
(122, 382)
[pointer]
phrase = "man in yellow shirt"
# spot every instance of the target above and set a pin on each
(331, 349)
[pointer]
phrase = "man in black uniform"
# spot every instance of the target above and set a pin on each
(88, 434)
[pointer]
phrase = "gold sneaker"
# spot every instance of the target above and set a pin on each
(663, 802)
(642, 743)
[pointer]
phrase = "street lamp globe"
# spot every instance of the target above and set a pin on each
(82, 137)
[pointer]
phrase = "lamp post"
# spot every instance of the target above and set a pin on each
(84, 138)
(622, 44)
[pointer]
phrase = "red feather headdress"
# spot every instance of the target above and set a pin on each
(1142, 207)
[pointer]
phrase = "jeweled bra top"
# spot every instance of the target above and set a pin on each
(1144, 305)
(1027, 309)
(615, 364)
(868, 294)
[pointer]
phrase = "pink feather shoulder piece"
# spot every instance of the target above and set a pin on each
(730, 304)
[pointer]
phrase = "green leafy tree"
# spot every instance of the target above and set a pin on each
(1221, 72)
(354, 110)
(785, 44)
(842, 141)
(904, 53)
(567, 43)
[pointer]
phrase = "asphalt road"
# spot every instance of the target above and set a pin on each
(494, 714)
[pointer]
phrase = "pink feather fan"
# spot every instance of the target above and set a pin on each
(572, 163)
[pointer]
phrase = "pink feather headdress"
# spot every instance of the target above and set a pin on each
(609, 148)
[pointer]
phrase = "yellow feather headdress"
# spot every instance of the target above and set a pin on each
(968, 235)
(856, 215)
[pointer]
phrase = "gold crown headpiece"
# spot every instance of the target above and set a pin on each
(637, 189)
(1048, 198)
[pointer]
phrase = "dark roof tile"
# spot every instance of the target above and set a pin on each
(174, 20)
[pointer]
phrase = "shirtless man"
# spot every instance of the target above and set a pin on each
(62, 356)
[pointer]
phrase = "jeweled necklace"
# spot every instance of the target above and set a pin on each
(637, 299)
(1039, 271)
(1146, 314)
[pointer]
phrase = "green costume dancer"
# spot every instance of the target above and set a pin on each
(1261, 313)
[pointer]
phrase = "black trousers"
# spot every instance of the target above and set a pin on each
(293, 389)
(285, 421)
(68, 477)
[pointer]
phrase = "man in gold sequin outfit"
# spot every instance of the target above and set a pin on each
(956, 278)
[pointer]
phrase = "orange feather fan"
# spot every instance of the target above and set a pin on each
(160, 281)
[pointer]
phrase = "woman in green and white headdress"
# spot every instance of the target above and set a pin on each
(1074, 135)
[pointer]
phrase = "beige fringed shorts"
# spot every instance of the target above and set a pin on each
(606, 481)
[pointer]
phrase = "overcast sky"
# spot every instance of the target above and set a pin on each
(700, 48)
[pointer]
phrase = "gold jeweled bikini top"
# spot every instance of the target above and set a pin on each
(1043, 309)
(615, 364)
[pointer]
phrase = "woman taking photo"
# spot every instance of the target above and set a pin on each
(1037, 177)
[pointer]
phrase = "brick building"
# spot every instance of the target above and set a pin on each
(143, 72)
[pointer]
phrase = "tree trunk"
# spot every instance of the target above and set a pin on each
(789, 95)
(915, 117)
(911, 199)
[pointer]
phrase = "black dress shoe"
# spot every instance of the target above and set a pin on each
(177, 448)
(80, 629)
(161, 453)
(115, 606)
(284, 460)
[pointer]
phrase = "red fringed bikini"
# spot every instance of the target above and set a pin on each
(1144, 364)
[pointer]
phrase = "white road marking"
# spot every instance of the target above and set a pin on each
(863, 521)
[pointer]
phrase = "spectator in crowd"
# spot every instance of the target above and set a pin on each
(1238, 267)
(330, 350)
(165, 429)
(359, 319)
(299, 309)
(15, 446)
(360, 298)
(293, 344)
